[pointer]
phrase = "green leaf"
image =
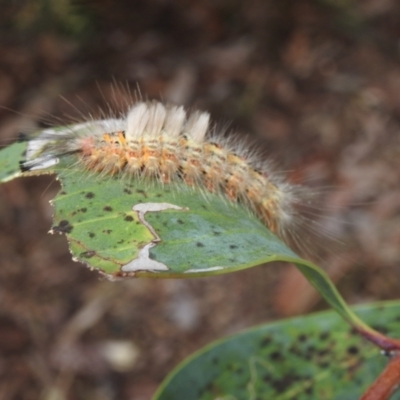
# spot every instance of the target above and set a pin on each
(203, 235)
(196, 234)
(9, 161)
(312, 357)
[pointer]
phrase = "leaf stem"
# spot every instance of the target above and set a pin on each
(321, 281)
(385, 343)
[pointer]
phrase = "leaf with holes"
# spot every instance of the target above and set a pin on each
(125, 227)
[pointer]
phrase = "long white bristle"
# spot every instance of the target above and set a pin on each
(136, 121)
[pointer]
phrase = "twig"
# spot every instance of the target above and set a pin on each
(387, 381)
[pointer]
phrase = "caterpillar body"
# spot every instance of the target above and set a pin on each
(165, 143)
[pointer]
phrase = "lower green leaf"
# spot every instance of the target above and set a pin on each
(312, 357)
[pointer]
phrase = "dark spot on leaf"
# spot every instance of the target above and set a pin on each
(267, 378)
(128, 191)
(323, 364)
(279, 384)
(180, 222)
(266, 341)
(128, 218)
(63, 227)
(108, 231)
(199, 244)
(142, 192)
(324, 335)
(233, 246)
(88, 254)
(63, 192)
(275, 356)
(121, 241)
(294, 350)
(92, 235)
(215, 360)
(302, 338)
(309, 390)
(89, 195)
(352, 350)
(292, 378)
(83, 209)
(211, 387)
(310, 350)
(323, 352)
(216, 233)
(107, 208)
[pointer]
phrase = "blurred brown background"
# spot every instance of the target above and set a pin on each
(315, 83)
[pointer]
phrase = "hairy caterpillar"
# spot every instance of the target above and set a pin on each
(163, 142)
